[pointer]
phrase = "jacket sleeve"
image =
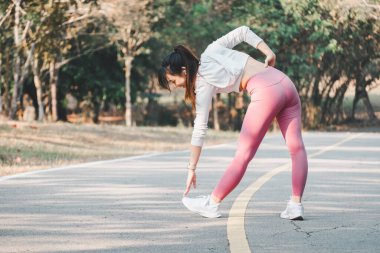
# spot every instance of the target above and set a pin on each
(203, 98)
(238, 35)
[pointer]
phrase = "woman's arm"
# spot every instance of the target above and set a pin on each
(243, 33)
(203, 98)
(238, 35)
(270, 56)
(195, 153)
(191, 176)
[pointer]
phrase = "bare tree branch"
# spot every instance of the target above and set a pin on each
(17, 2)
(60, 64)
(375, 6)
(8, 12)
(25, 68)
(73, 20)
(26, 29)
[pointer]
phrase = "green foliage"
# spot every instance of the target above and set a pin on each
(313, 40)
(98, 75)
(192, 24)
(322, 45)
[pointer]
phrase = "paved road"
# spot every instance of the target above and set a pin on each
(133, 205)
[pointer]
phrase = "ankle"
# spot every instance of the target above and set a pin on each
(296, 199)
(215, 200)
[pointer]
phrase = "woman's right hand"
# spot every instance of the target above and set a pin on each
(270, 60)
(270, 56)
(191, 180)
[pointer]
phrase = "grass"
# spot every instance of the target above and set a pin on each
(34, 146)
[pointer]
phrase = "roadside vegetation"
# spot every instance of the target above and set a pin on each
(33, 146)
(78, 78)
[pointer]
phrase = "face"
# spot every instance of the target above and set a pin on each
(177, 80)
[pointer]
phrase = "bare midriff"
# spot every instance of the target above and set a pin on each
(252, 67)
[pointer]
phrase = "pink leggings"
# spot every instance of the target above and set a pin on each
(273, 95)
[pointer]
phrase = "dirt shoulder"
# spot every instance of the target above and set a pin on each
(34, 146)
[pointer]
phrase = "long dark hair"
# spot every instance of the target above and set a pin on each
(173, 63)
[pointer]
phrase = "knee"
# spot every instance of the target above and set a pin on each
(240, 162)
(295, 147)
(243, 156)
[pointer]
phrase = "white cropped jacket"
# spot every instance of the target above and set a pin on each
(220, 71)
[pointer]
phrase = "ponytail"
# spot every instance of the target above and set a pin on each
(173, 63)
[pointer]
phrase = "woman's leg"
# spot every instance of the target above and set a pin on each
(265, 104)
(289, 120)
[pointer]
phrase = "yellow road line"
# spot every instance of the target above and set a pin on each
(235, 225)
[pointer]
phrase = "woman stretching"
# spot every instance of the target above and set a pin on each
(273, 95)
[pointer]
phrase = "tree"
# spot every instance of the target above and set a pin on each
(194, 24)
(131, 28)
(95, 78)
(56, 29)
(312, 39)
(6, 43)
(20, 72)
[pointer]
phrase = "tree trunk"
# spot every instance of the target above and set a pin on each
(17, 62)
(229, 111)
(368, 105)
(38, 85)
(361, 93)
(339, 101)
(128, 102)
(7, 74)
(1, 84)
(96, 108)
(53, 71)
(358, 95)
(239, 104)
(215, 112)
(354, 103)
(327, 101)
(316, 95)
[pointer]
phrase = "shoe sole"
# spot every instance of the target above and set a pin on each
(295, 218)
(206, 215)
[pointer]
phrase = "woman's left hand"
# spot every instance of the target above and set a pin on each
(270, 60)
(191, 180)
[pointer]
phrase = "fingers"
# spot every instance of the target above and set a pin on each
(270, 60)
(266, 63)
(273, 62)
(186, 191)
(188, 185)
(191, 181)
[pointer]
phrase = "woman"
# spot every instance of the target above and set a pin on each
(273, 95)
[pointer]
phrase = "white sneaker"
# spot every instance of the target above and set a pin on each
(293, 211)
(202, 205)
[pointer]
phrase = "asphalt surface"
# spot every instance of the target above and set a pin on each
(134, 204)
